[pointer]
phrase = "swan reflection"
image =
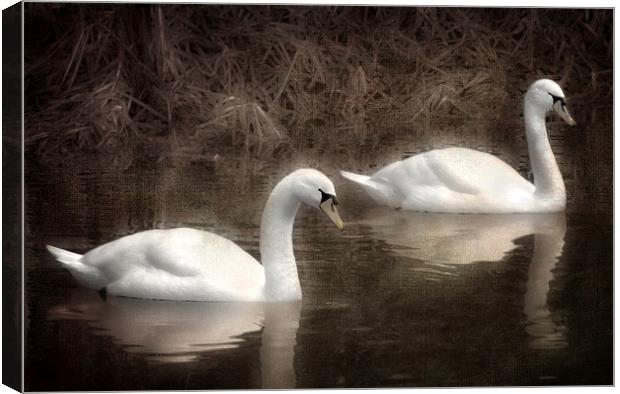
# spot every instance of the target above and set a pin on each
(173, 332)
(443, 241)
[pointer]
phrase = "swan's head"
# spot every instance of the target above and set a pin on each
(548, 95)
(313, 188)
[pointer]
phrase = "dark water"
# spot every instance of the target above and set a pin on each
(397, 299)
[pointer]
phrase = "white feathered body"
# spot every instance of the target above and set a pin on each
(185, 264)
(454, 180)
(178, 264)
(460, 180)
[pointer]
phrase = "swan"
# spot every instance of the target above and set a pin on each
(460, 180)
(185, 264)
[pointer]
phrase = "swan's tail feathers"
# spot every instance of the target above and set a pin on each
(381, 192)
(64, 256)
(371, 186)
(87, 275)
(357, 178)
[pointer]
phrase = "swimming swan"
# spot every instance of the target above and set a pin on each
(185, 264)
(460, 180)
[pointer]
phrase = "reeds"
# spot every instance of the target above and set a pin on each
(112, 76)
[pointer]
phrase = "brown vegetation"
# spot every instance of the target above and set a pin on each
(112, 76)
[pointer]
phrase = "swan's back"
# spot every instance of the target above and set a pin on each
(181, 264)
(454, 180)
(469, 170)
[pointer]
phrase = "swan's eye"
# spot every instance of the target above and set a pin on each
(556, 99)
(327, 196)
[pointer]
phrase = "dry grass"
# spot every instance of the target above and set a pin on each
(108, 77)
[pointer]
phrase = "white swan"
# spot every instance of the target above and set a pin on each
(185, 264)
(459, 180)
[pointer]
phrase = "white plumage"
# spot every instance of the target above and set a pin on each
(460, 180)
(191, 265)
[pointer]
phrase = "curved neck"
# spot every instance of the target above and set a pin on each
(547, 176)
(276, 245)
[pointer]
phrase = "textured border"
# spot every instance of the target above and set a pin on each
(12, 188)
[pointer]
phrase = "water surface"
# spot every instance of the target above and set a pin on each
(397, 299)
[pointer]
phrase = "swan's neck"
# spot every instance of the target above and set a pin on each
(276, 245)
(547, 176)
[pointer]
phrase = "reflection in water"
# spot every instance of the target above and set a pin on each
(461, 325)
(277, 352)
(173, 332)
(547, 251)
(442, 241)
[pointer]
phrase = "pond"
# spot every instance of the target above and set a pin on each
(396, 299)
